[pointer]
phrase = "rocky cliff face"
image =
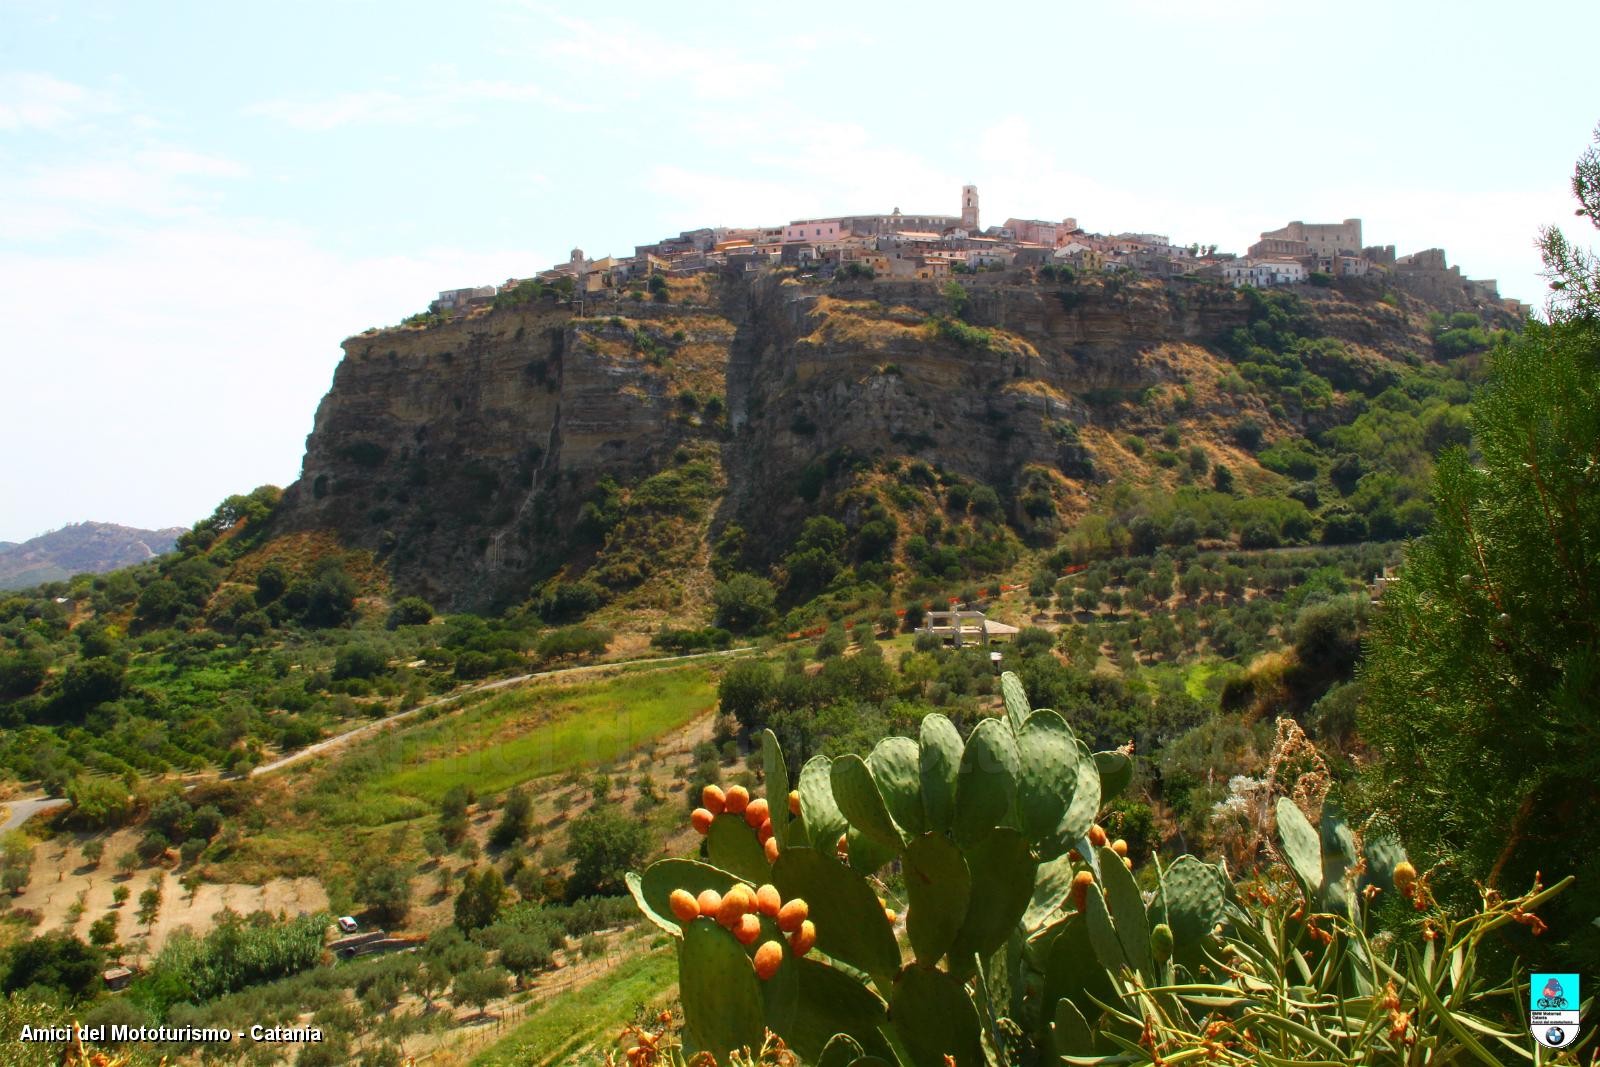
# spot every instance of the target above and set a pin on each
(462, 453)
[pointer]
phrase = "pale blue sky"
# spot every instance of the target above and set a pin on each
(198, 201)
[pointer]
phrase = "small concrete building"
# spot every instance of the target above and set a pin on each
(961, 628)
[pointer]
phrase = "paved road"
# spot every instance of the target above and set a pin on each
(20, 811)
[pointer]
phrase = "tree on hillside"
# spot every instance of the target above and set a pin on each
(55, 961)
(410, 611)
(483, 894)
(386, 891)
(745, 602)
(604, 844)
(480, 985)
(516, 819)
(1483, 668)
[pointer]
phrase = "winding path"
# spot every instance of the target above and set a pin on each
(21, 810)
(380, 725)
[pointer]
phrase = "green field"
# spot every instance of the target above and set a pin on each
(541, 729)
(560, 1026)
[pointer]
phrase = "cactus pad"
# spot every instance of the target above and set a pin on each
(895, 767)
(722, 1009)
(860, 802)
(1002, 888)
(1016, 700)
(939, 750)
(986, 793)
(830, 1004)
(652, 890)
(732, 846)
(934, 1018)
(1302, 846)
(1127, 912)
(938, 890)
(1191, 900)
(1116, 774)
(776, 773)
(1047, 779)
(818, 812)
(846, 912)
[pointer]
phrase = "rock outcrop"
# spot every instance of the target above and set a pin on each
(462, 453)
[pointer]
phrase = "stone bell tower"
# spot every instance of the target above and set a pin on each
(969, 208)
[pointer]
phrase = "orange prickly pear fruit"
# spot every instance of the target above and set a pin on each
(735, 800)
(888, 913)
(770, 849)
(768, 957)
(792, 914)
(768, 901)
(701, 819)
(755, 812)
(794, 802)
(764, 831)
(709, 902)
(802, 939)
(731, 908)
(747, 929)
(843, 847)
(1080, 888)
(1097, 835)
(711, 799)
(684, 905)
(1120, 847)
(1127, 861)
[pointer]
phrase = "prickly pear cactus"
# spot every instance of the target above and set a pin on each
(1020, 917)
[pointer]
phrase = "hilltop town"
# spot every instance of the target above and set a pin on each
(935, 247)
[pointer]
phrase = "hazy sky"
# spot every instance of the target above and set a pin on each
(198, 202)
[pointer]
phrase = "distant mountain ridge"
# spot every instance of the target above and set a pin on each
(78, 548)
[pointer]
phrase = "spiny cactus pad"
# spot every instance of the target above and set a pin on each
(858, 798)
(849, 922)
(1047, 779)
(722, 1006)
(652, 891)
(1016, 700)
(776, 773)
(732, 846)
(1116, 774)
(1302, 846)
(934, 1018)
(938, 887)
(939, 750)
(1070, 1034)
(821, 816)
(1127, 912)
(986, 793)
(831, 1002)
(1191, 900)
(1051, 884)
(1003, 888)
(895, 766)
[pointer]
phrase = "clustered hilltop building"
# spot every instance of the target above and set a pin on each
(932, 247)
